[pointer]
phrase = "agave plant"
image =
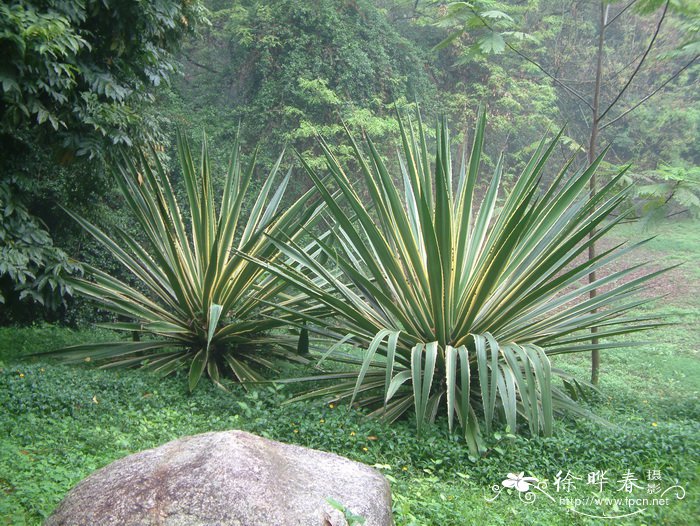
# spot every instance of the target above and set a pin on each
(199, 302)
(458, 308)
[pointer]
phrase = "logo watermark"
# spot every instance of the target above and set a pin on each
(584, 495)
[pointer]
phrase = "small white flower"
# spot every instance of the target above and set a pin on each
(519, 482)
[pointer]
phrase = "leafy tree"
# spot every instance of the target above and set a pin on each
(468, 40)
(291, 69)
(29, 263)
(83, 69)
(603, 59)
(75, 79)
(607, 99)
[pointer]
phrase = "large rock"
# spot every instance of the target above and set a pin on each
(230, 478)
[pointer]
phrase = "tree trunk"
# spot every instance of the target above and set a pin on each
(592, 146)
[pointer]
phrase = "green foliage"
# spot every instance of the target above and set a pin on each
(485, 26)
(546, 50)
(458, 307)
(42, 45)
(59, 70)
(292, 69)
(76, 78)
(199, 302)
(668, 190)
(30, 266)
(60, 423)
(350, 517)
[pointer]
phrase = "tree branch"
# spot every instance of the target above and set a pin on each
(623, 68)
(620, 13)
(642, 101)
(203, 66)
(536, 64)
(555, 79)
(639, 66)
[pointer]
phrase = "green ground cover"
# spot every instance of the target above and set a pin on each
(59, 423)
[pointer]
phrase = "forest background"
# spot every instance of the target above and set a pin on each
(285, 71)
(83, 80)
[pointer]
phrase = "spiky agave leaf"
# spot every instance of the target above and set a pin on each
(460, 306)
(200, 303)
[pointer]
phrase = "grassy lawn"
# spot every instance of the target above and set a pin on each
(59, 423)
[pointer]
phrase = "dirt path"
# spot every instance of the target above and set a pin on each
(677, 285)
